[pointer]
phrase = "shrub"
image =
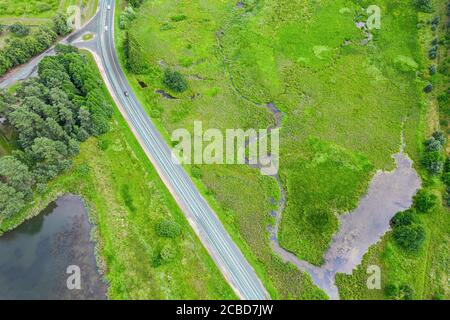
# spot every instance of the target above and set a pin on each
(391, 291)
(432, 69)
(168, 253)
(433, 162)
(424, 5)
(168, 229)
(439, 136)
(424, 200)
(196, 172)
(406, 292)
(20, 30)
(446, 178)
(174, 80)
(136, 3)
(428, 88)
(403, 218)
(410, 238)
(60, 25)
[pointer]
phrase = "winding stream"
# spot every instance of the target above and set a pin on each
(387, 194)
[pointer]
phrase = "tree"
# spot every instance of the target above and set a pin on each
(424, 5)
(136, 62)
(48, 151)
(403, 218)
(409, 238)
(433, 162)
(174, 80)
(167, 253)
(19, 29)
(168, 229)
(424, 200)
(11, 201)
(136, 3)
(126, 17)
(16, 175)
(433, 145)
(439, 136)
(60, 24)
(402, 292)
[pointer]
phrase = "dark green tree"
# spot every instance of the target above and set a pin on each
(425, 201)
(174, 80)
(409, 238)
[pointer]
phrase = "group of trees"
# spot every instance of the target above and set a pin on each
(401, 292)
(51, 115)
(408, 233)
(136, 61)
(433, 158)
(21, 49)
(25, 45)
(126, 17)
(166, 229)
(424, 5)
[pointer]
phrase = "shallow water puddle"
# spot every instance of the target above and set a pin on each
(388, 193)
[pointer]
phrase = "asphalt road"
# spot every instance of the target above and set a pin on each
(202, 218)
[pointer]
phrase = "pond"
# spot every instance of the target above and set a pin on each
(37, 259)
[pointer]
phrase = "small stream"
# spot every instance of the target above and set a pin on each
(387, 194)
(35, 256)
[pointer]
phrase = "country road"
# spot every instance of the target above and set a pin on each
(227, 256)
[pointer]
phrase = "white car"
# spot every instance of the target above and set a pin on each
(106, 28)
(109, 7)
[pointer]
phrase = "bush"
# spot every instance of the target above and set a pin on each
(446, 178)
(406, 292)
(168, 229)
(432, 69)
(424, 200)
(174, 81)
(196, 172)
(428, 88)
(20, 30)
(60, 25)
(433, 145)
(410, 238)
(403, 218)
(424, 5)
(433, 162)
(168, 253)
(391, 291)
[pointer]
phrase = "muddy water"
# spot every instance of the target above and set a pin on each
(34, 257)
(388, 193)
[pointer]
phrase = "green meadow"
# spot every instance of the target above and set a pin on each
(344, 104)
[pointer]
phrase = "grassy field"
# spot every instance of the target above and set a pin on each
(29, 8)
(427, 271)
(127, 200)
(35, 12)
(308, 59)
